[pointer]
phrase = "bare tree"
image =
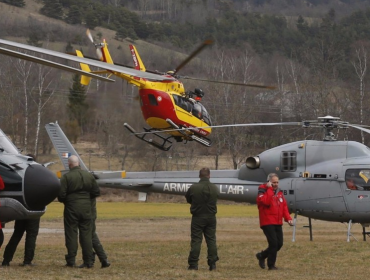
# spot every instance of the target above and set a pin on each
(360, 65)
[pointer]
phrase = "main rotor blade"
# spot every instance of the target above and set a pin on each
(221, 126)
(229, 83)
(194, 53)
(52, 64)
(103, 65)
(359, 127)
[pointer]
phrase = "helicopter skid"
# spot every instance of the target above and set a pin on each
(190, 135)
(166, 143)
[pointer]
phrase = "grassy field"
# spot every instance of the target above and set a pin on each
(151, 241)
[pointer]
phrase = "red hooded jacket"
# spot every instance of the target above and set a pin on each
(1, 188)
(272, 207)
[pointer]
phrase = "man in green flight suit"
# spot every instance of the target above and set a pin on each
(97, 246)
(78, 187)
(203, 199)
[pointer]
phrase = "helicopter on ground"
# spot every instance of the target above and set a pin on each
(326, 180)
(29, 186)
(165, 104)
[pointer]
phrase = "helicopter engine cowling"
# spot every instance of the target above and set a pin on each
(253, 162)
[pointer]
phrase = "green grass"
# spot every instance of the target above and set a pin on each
(151, 241)
(121, 210)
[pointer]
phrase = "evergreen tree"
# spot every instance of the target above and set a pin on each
(92, 19)
(77, 106)
(17, 3)
(74, 15)
(52, 8)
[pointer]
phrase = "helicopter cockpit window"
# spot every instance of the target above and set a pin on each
(6, 145)
(152, 100)
(288, 161)
(194, 107)
(358, 179)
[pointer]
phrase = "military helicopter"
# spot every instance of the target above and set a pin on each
(326, 180)
(29, 186)
(164, 103)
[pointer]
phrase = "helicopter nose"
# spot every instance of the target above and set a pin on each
(41, 186)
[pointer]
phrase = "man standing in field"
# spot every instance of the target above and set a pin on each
(203, 199)
(272, 209)
(78, 187)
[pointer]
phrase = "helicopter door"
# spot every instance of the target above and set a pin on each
(318, 197)
(357, 189)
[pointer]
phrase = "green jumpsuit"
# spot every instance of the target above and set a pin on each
(98, 248)
(78, 187)
(203, 199)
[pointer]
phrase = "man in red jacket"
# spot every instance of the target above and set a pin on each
(272, 209)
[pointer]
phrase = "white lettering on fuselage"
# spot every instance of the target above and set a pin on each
(176, 187)
(232, 189)
(224, 189)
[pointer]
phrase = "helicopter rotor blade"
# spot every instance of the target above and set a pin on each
(88, 33)
(97, 46)
(360, 128)
(229, 83)
(194, 53)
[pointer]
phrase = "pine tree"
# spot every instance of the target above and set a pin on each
(17, 3)
(77, 106)
(74, 15)
(52, 8)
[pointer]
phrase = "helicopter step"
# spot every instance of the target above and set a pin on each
(190, 135)
(166, 144)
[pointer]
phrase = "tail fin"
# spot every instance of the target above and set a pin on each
(62, 145)
(84, 79)
(138, 63)
(106, 55)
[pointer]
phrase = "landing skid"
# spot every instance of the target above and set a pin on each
(166, 143)
(189, 135)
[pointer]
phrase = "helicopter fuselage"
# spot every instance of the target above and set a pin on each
(164, 100)
(313, 175)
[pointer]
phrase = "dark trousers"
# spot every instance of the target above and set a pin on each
(31, 227)
(203, 226)
(274, 235)
(1, 237)
(98, 248)
(76, 221)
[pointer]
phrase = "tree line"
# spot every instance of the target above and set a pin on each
(318, 69)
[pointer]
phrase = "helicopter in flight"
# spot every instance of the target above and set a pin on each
(29, 186)
(164, 103)
(325, 180)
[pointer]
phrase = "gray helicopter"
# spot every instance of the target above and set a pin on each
(29, 186)
(326, 180)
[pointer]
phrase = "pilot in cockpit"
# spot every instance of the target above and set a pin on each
(352, 186)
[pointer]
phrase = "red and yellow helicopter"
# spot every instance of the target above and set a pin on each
(165, 105)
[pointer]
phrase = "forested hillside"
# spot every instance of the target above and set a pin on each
(314, 52)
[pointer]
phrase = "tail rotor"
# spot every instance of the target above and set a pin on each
(97, 46)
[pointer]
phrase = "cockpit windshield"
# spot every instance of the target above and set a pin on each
(358, 179)
(194, 107)
(6, 145)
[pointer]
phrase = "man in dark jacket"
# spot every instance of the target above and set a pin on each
(31, 227)
(203, 199)
(78, 187)
(272, 209)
